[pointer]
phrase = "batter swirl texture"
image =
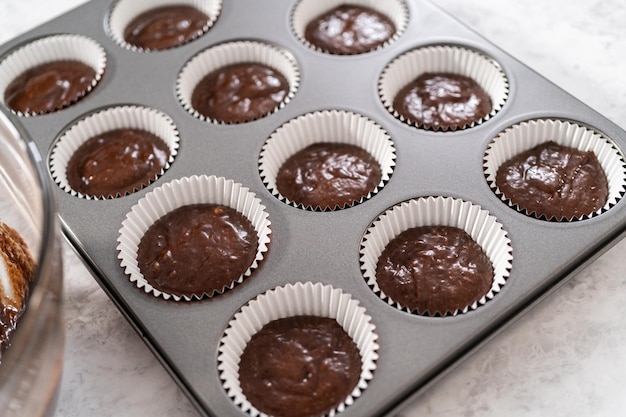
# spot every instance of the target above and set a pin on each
(435, 270)
(299, 366)
(197, 249)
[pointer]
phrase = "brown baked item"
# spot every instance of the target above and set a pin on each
(17, 267)
(553, 180)
(328, 175)
(165, 27)
(116, 162)
(299, 366)
(197, 249)
(442, 101)
(434, 270)
(349, 29)
(240, 92)
(49, 87)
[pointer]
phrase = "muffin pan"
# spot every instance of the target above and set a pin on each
(315, 246)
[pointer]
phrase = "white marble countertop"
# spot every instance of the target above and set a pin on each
(566, 357)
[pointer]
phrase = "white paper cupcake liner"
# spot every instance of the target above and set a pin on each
(333, 126)
(182, 192)
(444, 58)
(49, 49)
(121, 117)
(296, 300)
(232, 53)
(307, 10)
(484, 229)
(124, 11)
(528, 134)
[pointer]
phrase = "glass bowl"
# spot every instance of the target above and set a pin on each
(31, 366)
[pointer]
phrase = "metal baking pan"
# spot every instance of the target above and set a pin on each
(414, 350)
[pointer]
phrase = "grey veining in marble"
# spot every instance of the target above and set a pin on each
(566, 357)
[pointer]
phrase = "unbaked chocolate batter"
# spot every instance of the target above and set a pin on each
(328, 175)
(434, 270)
(49, 87)
(165, 27)
(240, 92)
(554, 181)
(442, 101)
(299, 366)
(196, 249)
(349, 29)
(19, 266)
(116, 162)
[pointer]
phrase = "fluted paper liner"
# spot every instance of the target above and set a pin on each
(182, 192)
(528, 134)
(49, 49)
(307, 10)
(484, 229)
(444, 58)
(230, 53)
(124, 11)
(312, 299)
(334, 126)
(119, 117)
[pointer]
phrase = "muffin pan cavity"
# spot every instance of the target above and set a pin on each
(188, 191)
(484, 229)
(448, 101)
(50, 89)
(429, 177)
(531, 133)
(232, 96)
(294, 300)
(125, 29)
(328, 127)
(125, 165)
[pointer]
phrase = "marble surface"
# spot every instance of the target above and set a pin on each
(566, 357)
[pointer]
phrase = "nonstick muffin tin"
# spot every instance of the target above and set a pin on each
(322, 247)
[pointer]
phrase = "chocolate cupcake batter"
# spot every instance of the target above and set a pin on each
(299, 366)
(116, 162)
(442, 101)
(328, 175)
(49, 87)
(240, 92)
(19, 268)
(434, 270)
(554, 181)
(349, 29)
(165, 27)
(196, 249)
